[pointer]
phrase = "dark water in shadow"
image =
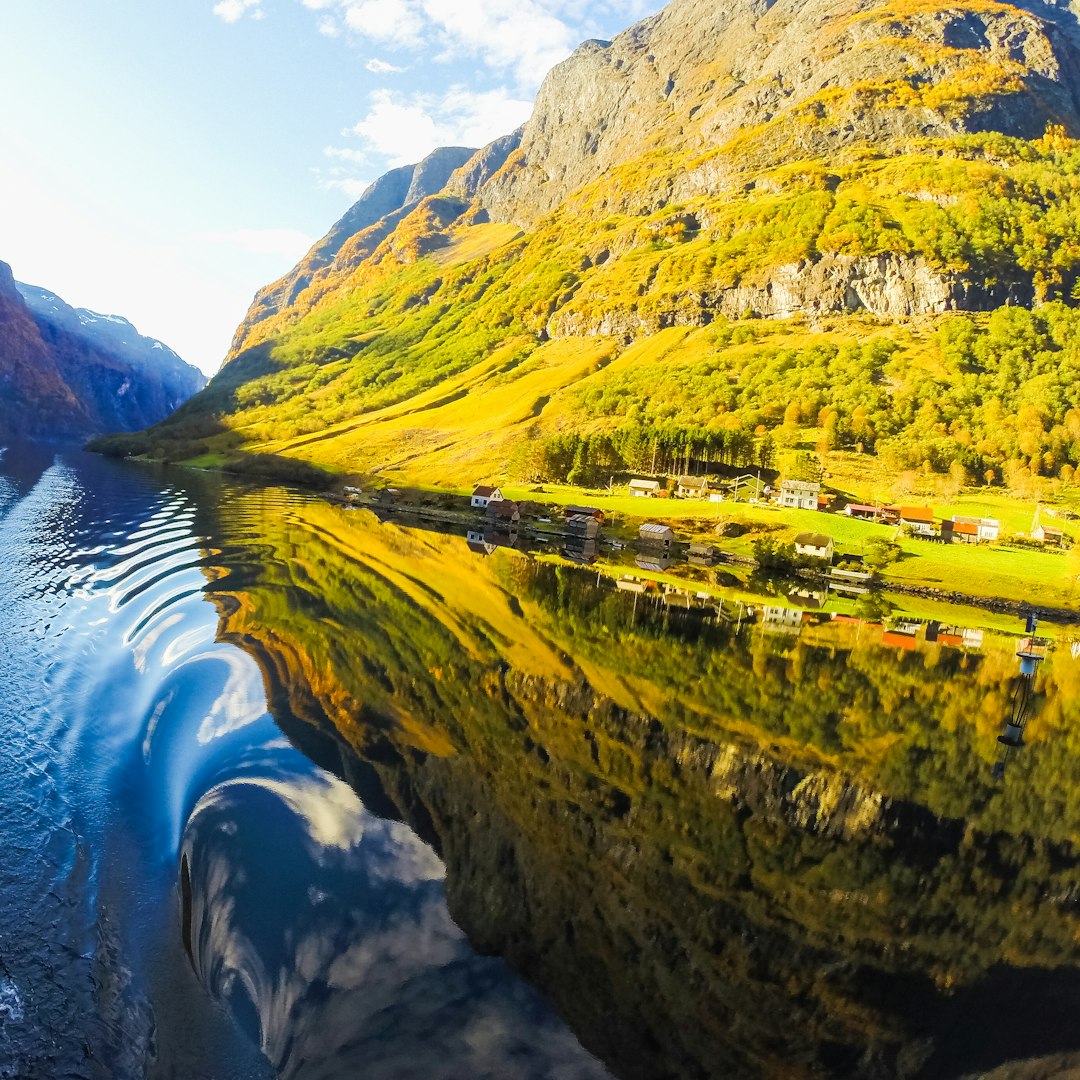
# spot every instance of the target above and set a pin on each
(182, 892)
(292, 791)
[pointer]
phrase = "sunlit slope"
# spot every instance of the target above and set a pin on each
(882, 199)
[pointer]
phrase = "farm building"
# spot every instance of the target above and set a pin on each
(644, 489)
(1048, 535)
(656, 535)
(862, 512)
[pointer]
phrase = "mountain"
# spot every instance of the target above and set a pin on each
(849, 224)
(69, 372)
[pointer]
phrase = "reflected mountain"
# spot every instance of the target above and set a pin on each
(720, 847)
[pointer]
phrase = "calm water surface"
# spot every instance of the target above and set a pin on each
(293, 791)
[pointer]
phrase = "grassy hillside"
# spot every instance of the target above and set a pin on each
(441, 362)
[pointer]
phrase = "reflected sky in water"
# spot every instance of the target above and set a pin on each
(304, 937)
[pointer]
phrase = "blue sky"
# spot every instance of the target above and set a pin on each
(163, 159)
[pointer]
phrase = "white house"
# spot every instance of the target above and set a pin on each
(483, 495)
(644, 489)
(799, 494)
(814, 546)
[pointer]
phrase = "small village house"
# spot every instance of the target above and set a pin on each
(800, 494)
(644, 489)
(985, 529)
(959, 532)
(693, 487)
(814, 546)
(582, 526)
(1048, 535)
(585, 511)
(482, 496)
(919, 519)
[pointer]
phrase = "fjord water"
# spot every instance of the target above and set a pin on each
(293, 791)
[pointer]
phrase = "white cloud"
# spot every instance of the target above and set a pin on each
(353, 188)
(381, 67)
(234, 10)
(329, 27)
(406, 128)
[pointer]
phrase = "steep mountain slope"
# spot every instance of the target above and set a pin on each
(68, 372)
(730, 223)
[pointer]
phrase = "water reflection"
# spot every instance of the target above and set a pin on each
(334, 942)
(725, 841)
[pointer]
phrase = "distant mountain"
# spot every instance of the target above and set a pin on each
(736, 227)
(68, 372)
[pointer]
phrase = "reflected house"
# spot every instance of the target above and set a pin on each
(903, 634)
(644, 489)
(951, 636)
(657, 561)
(955, 637)
(478, 543)
(776, 619)
(851, 582)
(693, 487)
(388, 497)
(483, 496)
(703, 554)
(584, 551)
(634, 585)
(808, 598)
(503, 514)
(800, 494)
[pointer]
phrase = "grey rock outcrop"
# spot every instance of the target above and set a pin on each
(886, 285)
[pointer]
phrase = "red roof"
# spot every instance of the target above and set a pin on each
(917, 513)
(506, 508)
(860, 508)
(484, 492)
(965, 528)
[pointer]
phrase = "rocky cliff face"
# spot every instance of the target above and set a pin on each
(67, 372)
(804, 78)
